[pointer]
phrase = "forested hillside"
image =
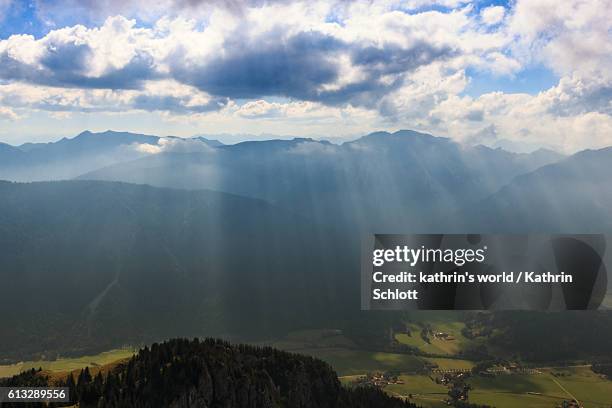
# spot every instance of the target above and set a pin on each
(213, 373)
(89, 266)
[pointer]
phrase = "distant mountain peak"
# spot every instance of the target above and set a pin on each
(110, 133)
(405, 134)
(210, 142)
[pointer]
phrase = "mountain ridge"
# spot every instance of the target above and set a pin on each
(409, 171)
(573, 195)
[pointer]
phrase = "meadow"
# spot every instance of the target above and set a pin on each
(68, 364)
(545, 389)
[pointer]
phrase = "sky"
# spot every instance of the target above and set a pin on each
(521, 74)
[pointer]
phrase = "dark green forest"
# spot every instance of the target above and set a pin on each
(212, 373)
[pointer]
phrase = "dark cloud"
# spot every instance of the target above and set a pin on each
(294, 68)
(595, 98)
(176, 104)
(486, 136)
(367, 93)
(393, 59)
(304, 66)
(64, 65)
(69, 12)
(235, 6)
(475, 115)
(300, 66)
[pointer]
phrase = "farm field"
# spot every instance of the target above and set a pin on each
(423, 389)
(334, 348)
(443, 322)
(607, 302)
(67, 364)
(354, 362)
(546, 389)
(588, 387)
(510, 391)
(451, 363)
(504, 391)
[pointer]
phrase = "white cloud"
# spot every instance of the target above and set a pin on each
(492, 15)
(320, 67)
(174, 145)
(306, 148)
(8, 113)
(569, 36)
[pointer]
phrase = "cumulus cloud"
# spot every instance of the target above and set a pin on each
(492, 15)
(174, 145)
(570, 36)
(175, 104)
(253, 58)
(8, 113)
(261, 109)
(311, 147)
(258, 61)
(78, 57)
(154, 96)
(320, 67)
(268, 66)
(63, 12)
(578, 95)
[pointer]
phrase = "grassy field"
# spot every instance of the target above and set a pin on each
(424, 391)
(509, 391)
(607, 302)
(341, 353)
(451, 363)
(587, 387)
(504, 391)
(543, 390)
(446, 322)
(67, 364)
(352, 362)
(436, 346)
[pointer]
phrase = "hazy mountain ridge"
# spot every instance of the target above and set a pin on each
(571, 196)
(10, 154)
(408, 171)
(69, 158)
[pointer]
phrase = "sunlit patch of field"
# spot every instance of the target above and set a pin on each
(514, 390)
(441, 323)
(590, 388)
(543, 390)
(421, 390)
(68, 364)
(358, 362)
(607, 302)
(451, 363)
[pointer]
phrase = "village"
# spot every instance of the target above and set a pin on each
(456, 380)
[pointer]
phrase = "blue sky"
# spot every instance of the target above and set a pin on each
(479, 72)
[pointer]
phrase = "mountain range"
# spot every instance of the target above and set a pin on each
(69, 158)
(410, 172)
(193, 237)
